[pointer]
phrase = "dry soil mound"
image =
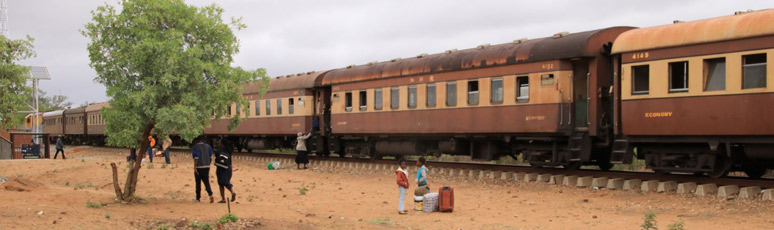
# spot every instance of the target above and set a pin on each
(21, 185)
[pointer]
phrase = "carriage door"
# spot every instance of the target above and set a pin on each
(580, 92)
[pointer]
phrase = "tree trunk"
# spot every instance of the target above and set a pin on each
(117, 187)
(134, 166)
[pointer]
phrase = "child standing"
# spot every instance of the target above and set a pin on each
(403, 184)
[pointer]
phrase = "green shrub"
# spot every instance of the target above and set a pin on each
(650, 221)
(90, 204)
(230, 217)
(679, 225)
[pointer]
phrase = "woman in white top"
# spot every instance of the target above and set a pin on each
(301, 152)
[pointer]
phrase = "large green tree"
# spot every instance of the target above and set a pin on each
(167, 68)
(13, 79)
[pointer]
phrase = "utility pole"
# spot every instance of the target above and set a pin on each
(4, 18)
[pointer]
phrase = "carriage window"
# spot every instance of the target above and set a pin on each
(268, 107)
(451, 94)
(238, 107)
(547, 79)
(522, 84)
(412, 96)
(678, 77)
(473, 92)
(754, 71)
(290, 106)
(431, 95)
(640, 79)
(378, 99)
(497, 90)
(363, 100)
(229, 110)
(348, 101)
(257, 108)
(394, 97)
(715, 74)
(247, 109)
(279, 106)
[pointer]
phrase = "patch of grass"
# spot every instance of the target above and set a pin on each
(230, 217)
(202, 226)
(650, 221)
(19, 175)
(679, 225)
(164, 165)
(54, 171)
(250, 198)
(162, 227)
(107, 216)
(150, 165)
(82, 186)
(383, 221)
(67, 183)
(82, 160)
(302, 190)
(90, 204)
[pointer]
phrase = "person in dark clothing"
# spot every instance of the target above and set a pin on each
(202, 155)
(59, 148)
(132, 155)
(224, 170)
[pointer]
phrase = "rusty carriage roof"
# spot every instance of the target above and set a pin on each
(560, 46)
(288, 82)
(741, 25)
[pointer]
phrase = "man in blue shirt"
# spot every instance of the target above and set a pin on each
(422, 187)
(202, 155)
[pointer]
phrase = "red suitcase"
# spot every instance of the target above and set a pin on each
(446, 199)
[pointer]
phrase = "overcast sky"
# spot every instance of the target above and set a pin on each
(288, 37)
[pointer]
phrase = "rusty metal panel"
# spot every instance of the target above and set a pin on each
(291, 82)
(744, 25)
(583, 44)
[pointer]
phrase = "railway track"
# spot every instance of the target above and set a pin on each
(496, 171)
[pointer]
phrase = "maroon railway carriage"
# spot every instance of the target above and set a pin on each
(95, 124)
(696, 96)
(53, 124)
(546, 98)
(75, 125)
(272, 121)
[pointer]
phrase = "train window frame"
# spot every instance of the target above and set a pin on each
(268, 107)
(496, 96)
(279, 106)
(473, 92)
(430, 98)
(378, 99)
(394, 98)
(229, 110)
(715, 74)
(759, 65)
(291, 104)
(520, 97)
(547, 79)
(635, 77)
(247, 109)
(675, 76)
(451, 93)
(238, 107)
(258, 108)
(363, 103)
(412, 96)
(348, 101)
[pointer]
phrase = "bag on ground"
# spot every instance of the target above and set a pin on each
(446, 199)
(274, 165)
(430, 203)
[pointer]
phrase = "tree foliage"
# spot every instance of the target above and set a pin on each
(167, 68)
(13, 78)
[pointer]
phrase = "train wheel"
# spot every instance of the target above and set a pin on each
(722, 166)
(605, 165)
(754, 172)
(573, 165)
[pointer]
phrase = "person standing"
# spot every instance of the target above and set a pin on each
(150, 148)
(59, 147)
(421, 180)
(202, 155)
(403, 185)
(224, 170)
(165, 147)
(301, 152)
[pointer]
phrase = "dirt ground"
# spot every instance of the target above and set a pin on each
(45, 194)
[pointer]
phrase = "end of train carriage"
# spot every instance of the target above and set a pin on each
(694, 97)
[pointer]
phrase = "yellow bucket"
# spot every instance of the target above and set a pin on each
(418, 205)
